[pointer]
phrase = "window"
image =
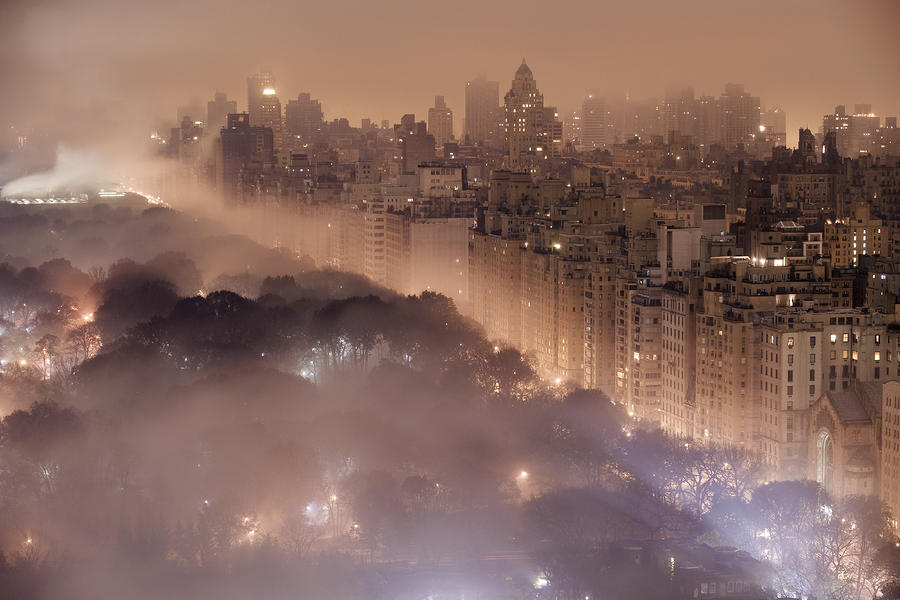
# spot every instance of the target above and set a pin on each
(877, 338)
(877, 355)
(790, 359)
(833, 355)
(812, 390)
(790, 342)
(812, 374)
(790, 390)
(790, 375)
(833, 338)
(812, 341)
(846, 337)
(812, 359)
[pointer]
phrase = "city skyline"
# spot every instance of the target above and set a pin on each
(530, 301)
(700, 44)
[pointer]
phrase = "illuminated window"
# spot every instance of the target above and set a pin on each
(833, 338)
(846, 337)
(877, 356)
(790, 342)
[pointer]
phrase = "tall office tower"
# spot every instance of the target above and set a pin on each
(524, 121)
(217, 111)
(440, 122)
(192, 112)
(678, 112)
(264, 106)
(709, 129)
(303, 117)
(886, 141)
(773, 125)
(855, 133)
(594, 123)
(839, 123)
(482, 102)
(740, 115)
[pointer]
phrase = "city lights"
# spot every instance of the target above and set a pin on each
(284, 307)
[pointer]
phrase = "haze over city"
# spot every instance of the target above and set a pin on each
(96, 64)
(512, 300)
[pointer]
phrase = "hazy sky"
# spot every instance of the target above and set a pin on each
(92, 67)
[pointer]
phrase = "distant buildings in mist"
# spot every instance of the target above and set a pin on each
(674, 254)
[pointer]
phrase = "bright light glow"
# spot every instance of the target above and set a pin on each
(762, 127)
(523, 475)
(268, 92)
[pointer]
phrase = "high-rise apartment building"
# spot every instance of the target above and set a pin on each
(525, 134)
(890, 449)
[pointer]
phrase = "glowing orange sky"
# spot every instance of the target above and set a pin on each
(91, 66)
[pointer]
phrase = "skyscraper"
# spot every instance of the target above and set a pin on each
(482, 103)
(239, 144)
(854, 132)
(594, 123)
(217, 111)
(440, 122)
(524, 120)
(303, 117)
(773, 125)
(740, 115)
(264, 106)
